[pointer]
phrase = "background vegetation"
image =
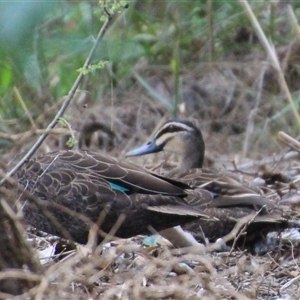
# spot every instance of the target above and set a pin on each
(203, 60)
(205, 54)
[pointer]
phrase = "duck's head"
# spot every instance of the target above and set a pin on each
(178, 136)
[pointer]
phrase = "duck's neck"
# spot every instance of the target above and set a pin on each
(193, 156)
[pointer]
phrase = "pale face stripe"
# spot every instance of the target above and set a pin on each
(162, 140)
(164, 136)
(182, 126)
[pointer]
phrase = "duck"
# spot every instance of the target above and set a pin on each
(179, 136)
(65, 192)
(227, 199)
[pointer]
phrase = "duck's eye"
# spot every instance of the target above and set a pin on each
(171, 128)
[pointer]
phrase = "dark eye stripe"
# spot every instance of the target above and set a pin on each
(170, 129)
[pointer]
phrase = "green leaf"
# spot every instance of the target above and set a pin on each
(93, 68)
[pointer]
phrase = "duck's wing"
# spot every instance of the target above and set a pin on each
(88, 173)
(218, 190)
(95, 166)
(88, 183)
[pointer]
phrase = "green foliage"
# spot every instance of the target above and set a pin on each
(63, 122)
(72, 141)
(93, 68)
(43, 43)
(111, 7)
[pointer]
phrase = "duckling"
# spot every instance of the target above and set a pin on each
(227, 199)
(74, 189)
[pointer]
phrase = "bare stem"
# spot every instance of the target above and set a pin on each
(273, 57)
(64, 105)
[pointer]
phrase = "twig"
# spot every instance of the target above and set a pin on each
(180, 238)
(236, 169)
(267, 160)
(253, 112)
(243, 230)
(20, 274)
(286, 285)
(235, 233)
(19, 97)
(272, 54)
(288, 140)
(210, 19)
(65, 104)
(293, 19)
(20, 137)
(154, 94)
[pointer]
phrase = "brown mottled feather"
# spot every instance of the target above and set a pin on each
(88, 183)
(219, 194)
(226, 210)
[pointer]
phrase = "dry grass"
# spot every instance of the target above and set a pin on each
(127, 270)
(233, 105)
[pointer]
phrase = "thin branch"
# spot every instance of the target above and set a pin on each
(272, 54)
(20, 99)
(19, 138)
(65, 104)
(293, 19)
(253, 112)
(235, 233)
(267, 160)
(210, 20)
(288, 141)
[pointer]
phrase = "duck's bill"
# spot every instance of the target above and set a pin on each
(151, 147)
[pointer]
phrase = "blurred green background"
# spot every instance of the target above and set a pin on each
(43, 43)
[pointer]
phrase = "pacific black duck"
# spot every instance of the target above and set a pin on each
(227, 199)
(70, 184)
